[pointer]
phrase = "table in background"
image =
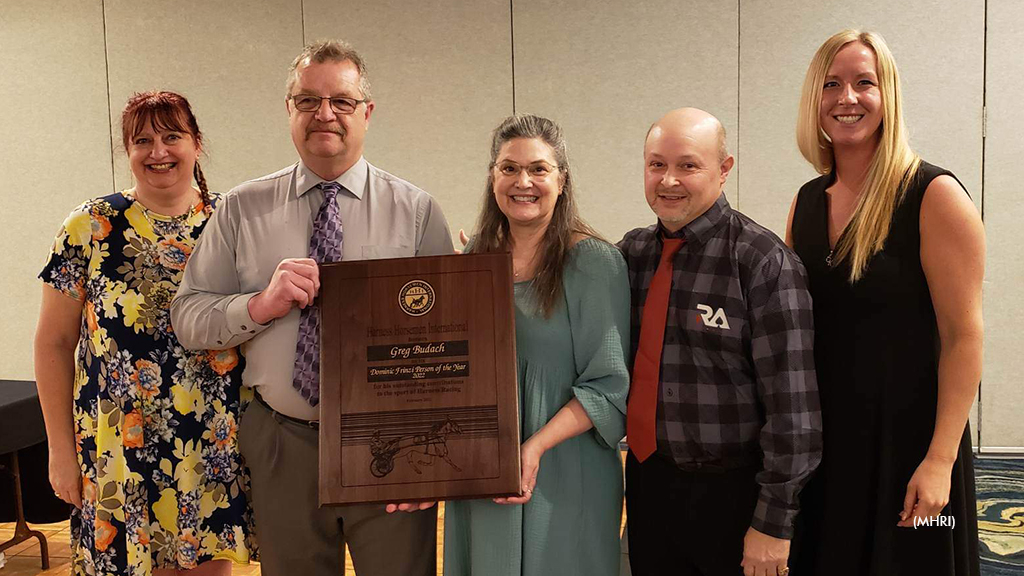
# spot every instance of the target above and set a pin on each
(23, 456)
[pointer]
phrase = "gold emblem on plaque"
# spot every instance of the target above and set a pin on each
(416, 298)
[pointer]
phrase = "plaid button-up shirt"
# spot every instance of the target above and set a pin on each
(737, 370)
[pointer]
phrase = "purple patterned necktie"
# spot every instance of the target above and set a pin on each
(324, 247)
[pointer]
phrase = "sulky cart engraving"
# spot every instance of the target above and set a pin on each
(419, 449)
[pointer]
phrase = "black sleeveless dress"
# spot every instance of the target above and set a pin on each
(876, 353)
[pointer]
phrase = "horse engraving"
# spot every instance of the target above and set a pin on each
(418, 449)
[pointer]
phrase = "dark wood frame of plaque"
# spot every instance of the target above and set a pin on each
(418, 392)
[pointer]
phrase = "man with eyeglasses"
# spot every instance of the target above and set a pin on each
(252, 280)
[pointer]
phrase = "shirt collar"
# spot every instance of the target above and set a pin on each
(700, 230)
(354, 179)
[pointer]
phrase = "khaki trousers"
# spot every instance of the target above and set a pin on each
(297, 537)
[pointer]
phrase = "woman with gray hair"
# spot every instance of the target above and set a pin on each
(572, 329)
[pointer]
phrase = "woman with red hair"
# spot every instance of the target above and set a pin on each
(142, 433)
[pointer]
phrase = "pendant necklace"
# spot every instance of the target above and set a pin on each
(828, 217)
(171, 225)
(518, 272)
(167, 224)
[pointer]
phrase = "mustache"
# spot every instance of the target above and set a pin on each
(318, 127)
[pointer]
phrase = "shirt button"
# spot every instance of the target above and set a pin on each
(219, 342)
(252, 331)
(669, 392)
(244, 327)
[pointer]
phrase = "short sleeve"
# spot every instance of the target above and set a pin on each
(67, 267)
(597, 294)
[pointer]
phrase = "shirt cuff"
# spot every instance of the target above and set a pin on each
(773, 518)
(609, 423)
(239, 320)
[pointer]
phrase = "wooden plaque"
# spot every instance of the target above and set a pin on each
(418, 391)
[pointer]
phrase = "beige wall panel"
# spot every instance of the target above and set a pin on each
(55, 152)
(938, 46)
(606, 73)
(1002, 391)
(442, 79)
(229, 59)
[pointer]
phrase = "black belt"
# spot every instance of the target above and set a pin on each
(314, 424)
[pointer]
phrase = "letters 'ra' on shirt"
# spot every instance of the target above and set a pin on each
(737, 386)
(263, 221)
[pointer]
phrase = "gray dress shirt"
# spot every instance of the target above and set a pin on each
(263, 221)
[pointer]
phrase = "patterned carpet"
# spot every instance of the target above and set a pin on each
(1000, 490)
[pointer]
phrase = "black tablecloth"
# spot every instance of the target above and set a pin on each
(21, 419)
(22, 429)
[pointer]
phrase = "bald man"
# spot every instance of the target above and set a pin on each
(723, 420)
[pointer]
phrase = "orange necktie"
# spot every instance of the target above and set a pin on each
(642, 409)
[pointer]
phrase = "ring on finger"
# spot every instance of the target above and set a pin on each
(782, 571)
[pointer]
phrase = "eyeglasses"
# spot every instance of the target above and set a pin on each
(538, 171)
(310, 103)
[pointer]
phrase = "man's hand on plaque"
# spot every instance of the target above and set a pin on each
(295, 282)
(529, 454)
(409, 506)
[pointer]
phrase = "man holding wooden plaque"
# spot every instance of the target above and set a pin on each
(252, 281)
(419, 396)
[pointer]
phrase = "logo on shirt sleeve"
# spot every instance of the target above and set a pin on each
(713, 318)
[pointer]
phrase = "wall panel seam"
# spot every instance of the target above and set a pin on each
(984, 120)
(739, 95)
(110, 103)
(984, 104)
(512, 41)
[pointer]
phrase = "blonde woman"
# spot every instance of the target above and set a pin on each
(895, 253)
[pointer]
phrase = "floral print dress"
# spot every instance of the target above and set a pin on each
(156, 425)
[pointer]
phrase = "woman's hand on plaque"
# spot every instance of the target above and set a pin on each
(529, 454)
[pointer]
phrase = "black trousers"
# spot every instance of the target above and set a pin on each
(687, 523)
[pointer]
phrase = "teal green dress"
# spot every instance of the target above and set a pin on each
(571, 525)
